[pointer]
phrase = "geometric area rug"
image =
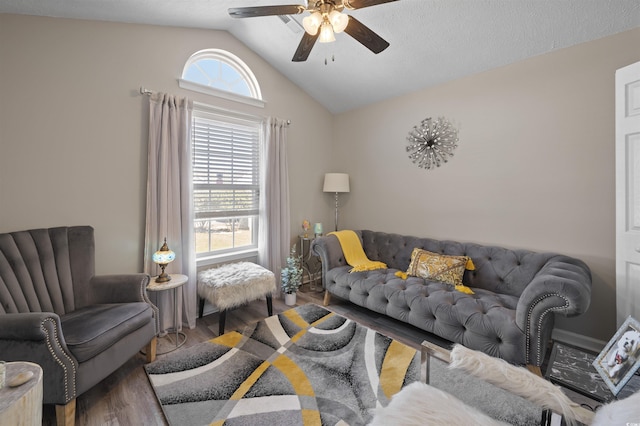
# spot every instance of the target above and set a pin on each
(305, 366)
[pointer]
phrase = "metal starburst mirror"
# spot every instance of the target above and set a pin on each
(432, 142)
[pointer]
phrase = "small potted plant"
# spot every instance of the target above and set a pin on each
(291, 277)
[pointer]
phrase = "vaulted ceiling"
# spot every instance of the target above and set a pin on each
(432, 41)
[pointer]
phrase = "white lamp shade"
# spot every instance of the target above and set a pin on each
(312, 23)
(339, 21)
(326, 33)
(336, 182)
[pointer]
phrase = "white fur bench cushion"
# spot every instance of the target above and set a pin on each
(235, 284)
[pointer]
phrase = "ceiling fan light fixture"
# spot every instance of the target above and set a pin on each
(339, 21)
(326, 32)
(324, 21)
(312, 22)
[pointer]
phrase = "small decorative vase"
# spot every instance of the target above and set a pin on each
(290, 299)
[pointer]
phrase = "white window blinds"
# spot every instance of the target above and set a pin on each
(226, 180)
(225, 169)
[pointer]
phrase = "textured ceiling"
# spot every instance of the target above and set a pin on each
(432, 41)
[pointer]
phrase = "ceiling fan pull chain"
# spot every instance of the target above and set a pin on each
(333, 59)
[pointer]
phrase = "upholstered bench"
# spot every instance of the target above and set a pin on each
(234, 284)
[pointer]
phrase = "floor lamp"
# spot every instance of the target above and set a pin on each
(336, 182)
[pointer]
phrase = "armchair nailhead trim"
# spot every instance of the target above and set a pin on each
(539, 330)
(154, 308)
(59, 361)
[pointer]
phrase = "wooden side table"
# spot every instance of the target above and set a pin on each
(21, 405)
(177, 281)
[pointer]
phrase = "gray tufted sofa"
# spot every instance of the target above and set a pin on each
(511, 314)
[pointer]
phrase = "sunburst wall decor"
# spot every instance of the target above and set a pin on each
(432, 142)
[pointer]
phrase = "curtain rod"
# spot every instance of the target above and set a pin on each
(144, 91)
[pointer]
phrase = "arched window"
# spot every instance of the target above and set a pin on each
(220, 73)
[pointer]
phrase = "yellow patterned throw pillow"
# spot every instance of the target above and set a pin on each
(440, 267)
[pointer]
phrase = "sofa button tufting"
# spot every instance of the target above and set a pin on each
(411, 300)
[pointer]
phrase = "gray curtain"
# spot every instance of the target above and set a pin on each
(169, 203)
(275, 224)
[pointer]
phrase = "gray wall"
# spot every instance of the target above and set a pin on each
(534, 168)
(74, 129)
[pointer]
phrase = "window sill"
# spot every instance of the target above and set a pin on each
(247, 255)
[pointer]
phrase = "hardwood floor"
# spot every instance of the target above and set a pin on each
(126, 397)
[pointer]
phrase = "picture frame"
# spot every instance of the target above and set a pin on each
(620, 358)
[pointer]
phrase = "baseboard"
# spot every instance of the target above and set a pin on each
(209, 309)
(578, 340)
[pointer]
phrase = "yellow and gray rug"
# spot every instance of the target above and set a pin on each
(306, 366)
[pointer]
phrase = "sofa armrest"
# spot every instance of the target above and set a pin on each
(562, 286)
(119, 288)
(37, 337)
(27, 326)
(330, 252)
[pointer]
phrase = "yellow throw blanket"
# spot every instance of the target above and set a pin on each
(354, 253)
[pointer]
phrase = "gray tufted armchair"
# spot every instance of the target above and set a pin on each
(55, 312)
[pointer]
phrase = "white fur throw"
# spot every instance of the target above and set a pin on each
(235, 284)
(419, 404)
(519, 381)
(619, 413)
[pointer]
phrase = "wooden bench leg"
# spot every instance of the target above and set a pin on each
(66, 414)
(223, 319)
(269, 305)
(201, 307)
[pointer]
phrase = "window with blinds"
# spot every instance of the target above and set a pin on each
(226, 184)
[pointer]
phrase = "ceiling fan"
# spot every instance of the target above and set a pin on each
(325, 19)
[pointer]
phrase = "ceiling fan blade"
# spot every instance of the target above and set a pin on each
(359, 4)
(365, 36)
(252, 12)
(305, 46)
